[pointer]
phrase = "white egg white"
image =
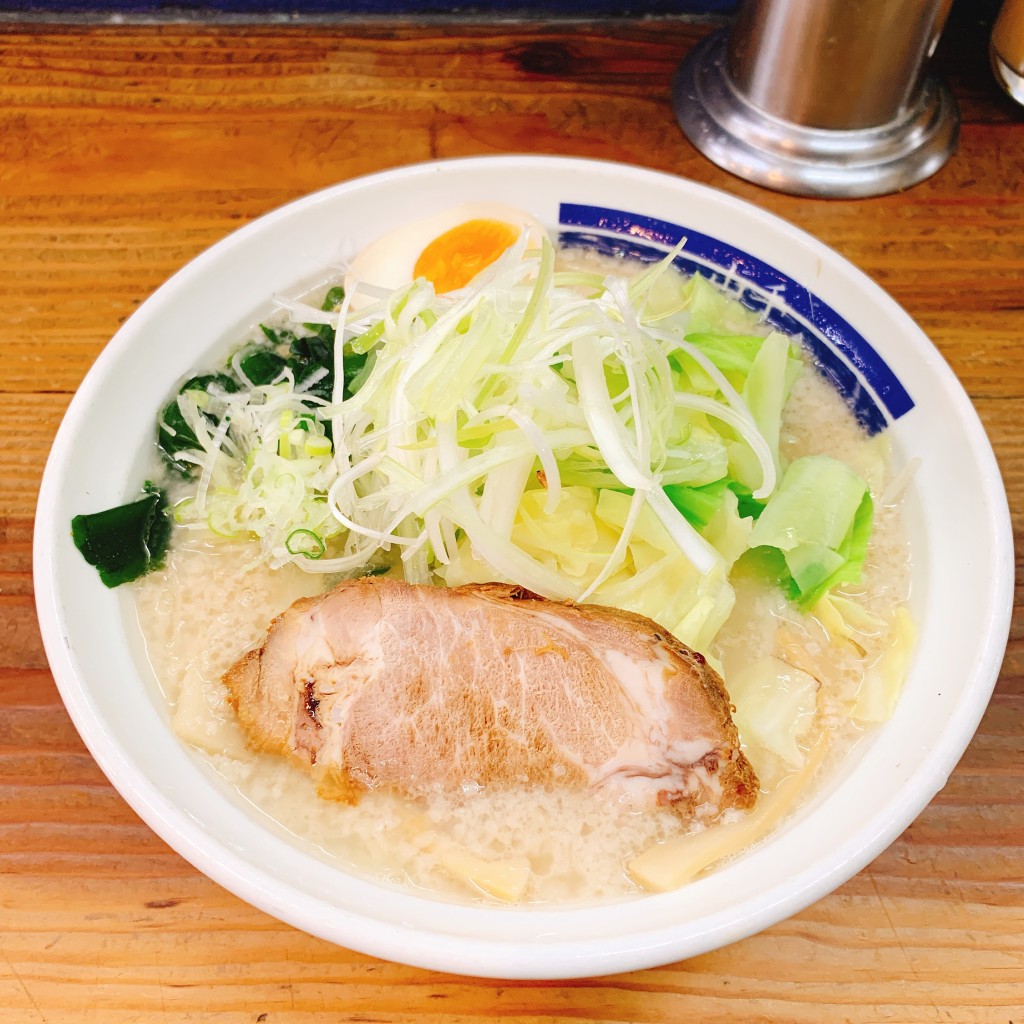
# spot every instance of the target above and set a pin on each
(389, 261)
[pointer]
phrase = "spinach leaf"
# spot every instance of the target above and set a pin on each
(333, 299)
(261, 364)
(173, 433)
(355, 364)
(278, 336)
(309, 354)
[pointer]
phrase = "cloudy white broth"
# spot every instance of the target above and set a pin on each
(812, 655)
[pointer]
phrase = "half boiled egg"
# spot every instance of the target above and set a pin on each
(449, 249)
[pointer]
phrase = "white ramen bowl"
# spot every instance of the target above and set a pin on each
(889, 372)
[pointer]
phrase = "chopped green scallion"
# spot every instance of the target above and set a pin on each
(305, 542)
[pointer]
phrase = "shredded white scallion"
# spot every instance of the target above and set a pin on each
(526, 379)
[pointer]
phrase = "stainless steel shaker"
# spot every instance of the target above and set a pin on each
(822, 97)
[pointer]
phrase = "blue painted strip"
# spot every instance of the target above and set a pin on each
(857, 351)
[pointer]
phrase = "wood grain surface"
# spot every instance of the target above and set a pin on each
(126, 151)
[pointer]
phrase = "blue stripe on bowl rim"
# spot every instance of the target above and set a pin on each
(841, 353)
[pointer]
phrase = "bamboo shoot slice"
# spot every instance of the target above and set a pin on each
(672, 864)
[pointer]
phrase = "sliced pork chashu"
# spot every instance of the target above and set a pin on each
(379, 683)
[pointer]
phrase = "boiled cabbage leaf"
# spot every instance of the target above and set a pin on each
(815, 528)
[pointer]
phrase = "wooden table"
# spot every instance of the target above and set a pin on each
(124, 151)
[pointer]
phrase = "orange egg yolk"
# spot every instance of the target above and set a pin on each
(453, 259)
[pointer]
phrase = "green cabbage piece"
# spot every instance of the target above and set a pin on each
(714, 310)
(814, 531)
(698, 504)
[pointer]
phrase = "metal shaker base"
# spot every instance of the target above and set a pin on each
(789, 157)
